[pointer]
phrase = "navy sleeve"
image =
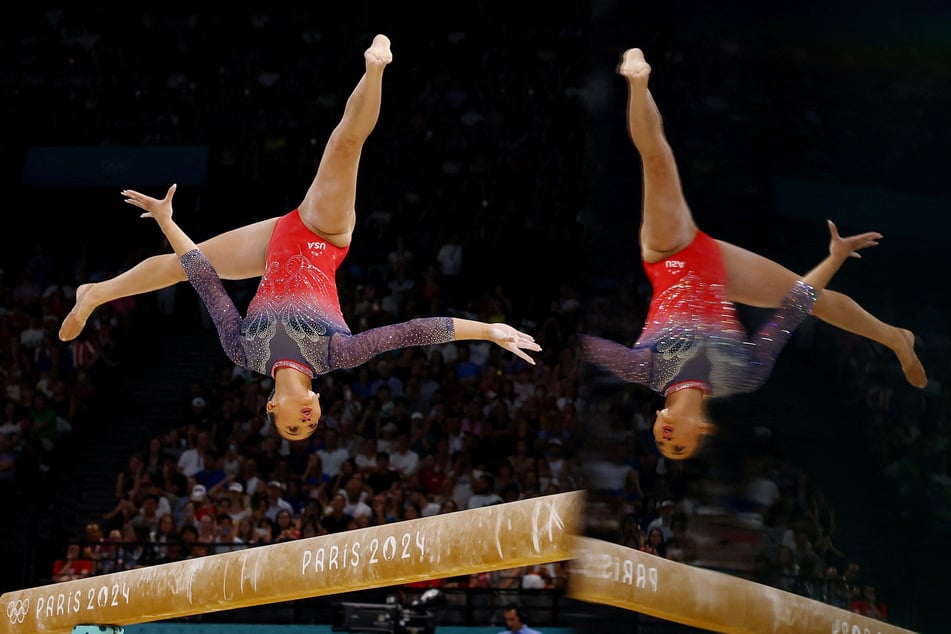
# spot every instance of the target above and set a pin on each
(630, 364)
(350, 351)
(224, 313)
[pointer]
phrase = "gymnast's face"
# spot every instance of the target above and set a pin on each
(296, 412)
(679, 435)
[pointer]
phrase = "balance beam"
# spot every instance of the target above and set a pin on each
(610, 574)
(522, 533)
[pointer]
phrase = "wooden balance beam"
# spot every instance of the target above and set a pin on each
(610, 574)
(522, 533)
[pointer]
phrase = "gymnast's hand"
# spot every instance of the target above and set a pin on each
(515, 341)
(842, 248)
(154, 208)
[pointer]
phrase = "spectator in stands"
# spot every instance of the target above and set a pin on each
(285, 528)
(681, 546)
(201, 503)
(226, 536)
(239, 507)
(515, 620)
(483, 493)
(357, 492)
(192, 459)
(663, 521)
(211, 475)
(366, 459)
(869, 605)
(276, 501)
(655, 543)
(403, 459)
(72, 566)
(335, 519)
(110, 554)
(164, 533)
(630, 533)
(382, 513)
(244, 530)
(148, 514)
(339, 481)
(207, 528)
(332, 455)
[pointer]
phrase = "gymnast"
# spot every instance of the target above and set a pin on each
(693, 345)
(294, 329)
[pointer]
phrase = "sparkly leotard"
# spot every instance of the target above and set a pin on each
(294, 319)
(692, 336)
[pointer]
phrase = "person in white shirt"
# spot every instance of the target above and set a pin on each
(332, 455)
(403, 459)
(192, 460)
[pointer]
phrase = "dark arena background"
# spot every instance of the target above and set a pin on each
(502, 132)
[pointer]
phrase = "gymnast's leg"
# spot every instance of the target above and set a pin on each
(757, 281)
(236, 254)
(667, 225)
(328, 207)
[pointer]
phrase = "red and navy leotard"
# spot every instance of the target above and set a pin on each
(294, 318)
(692, 336)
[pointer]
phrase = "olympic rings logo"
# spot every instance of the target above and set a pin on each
(17, 610)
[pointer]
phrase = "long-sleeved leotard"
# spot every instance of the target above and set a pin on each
(294, 318)
(692, 336)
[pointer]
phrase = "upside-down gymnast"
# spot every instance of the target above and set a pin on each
(294, 329)
(693, 345)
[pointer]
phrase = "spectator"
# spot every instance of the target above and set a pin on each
(226, 536)
(240, 508)
(148, 514)
(484, 492)
(356, 493)
(631, 535)
(284, 527)
(366, 460)
(211, 476)
(681, 546)
(339, 481)
(515, 621)
(332, 455)
(164, 533)
(403, 459)
(655, 543)
(869, 605)
(72, 566)
(276, 501)
(335, 520)
(192, 460)
(201, 504)
(665, 514)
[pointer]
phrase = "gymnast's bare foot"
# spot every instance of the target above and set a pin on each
(633, 66)
(379, 53)
(910, 364)
(75, 321)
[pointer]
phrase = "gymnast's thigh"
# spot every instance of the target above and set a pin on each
(240, 253)
(755, 280)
